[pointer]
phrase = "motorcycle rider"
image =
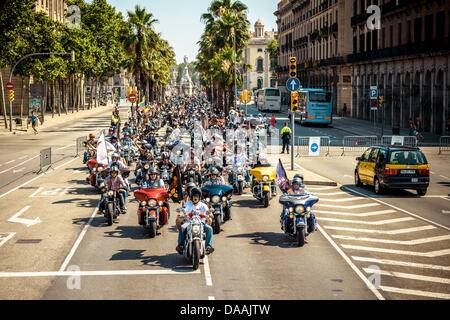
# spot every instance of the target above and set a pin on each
(90, 147)
(165, 163)
(196, 207)
(187, 195)
(153, 180)
(115, 182)
(214, 178)
(239, 159)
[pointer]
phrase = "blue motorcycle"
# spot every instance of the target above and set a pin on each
(218, 197)
(297, 219)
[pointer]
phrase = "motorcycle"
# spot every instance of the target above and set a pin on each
(154, 211)
(238, 174)
(97, 174)
(191, 175)
(299, 221)
(165, 176)
(263, 184)
(111, 205)
(218, 197)
(194, 246)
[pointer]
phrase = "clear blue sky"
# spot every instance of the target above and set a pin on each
(179, 20)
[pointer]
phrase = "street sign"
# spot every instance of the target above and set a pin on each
(373, 92)
(293, 84)
(373, 104)
(9, 86)
(314, 146)
(132, 97)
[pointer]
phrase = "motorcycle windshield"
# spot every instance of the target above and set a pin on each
(217, 190)
(305, 200)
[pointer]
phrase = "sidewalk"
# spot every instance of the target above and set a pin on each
(49, 122)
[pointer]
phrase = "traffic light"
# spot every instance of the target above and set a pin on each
(249, 96)
(381, 102)
(293, 67)
(294, 102)
(11, 95)
(241, 97)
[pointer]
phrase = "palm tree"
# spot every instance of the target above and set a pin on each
(141, 23)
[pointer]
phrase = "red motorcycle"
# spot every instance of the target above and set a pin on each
(154, 211)
(97, 174)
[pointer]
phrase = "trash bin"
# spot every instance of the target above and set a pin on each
(396, 130)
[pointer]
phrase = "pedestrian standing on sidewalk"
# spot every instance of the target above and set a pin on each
(34, 121)
(419, 128)
(286, 137)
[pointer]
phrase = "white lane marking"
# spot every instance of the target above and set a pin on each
(399, 209)
(28, 222)
(406, 243)
(366, 214)
(207, 272)
(401, 263)
(20, 170)
(431, 254)
(416, 292)
(352, 265)
(36, 192)
(4, 239)
(407, 276)
(78, 241)
(18, 165)
(35, 178)
(211, 298)
(348, 176)
(372, 223)
(329, 194)
(70, 145)
(445, 212)
(343, 200)
(366, 205)
(444, 177)
(398, 231)
(23, 157)
(10, 162)
(96, 273)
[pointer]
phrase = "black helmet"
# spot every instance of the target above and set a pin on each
(297, 180)
(299, 176)
(196, 192)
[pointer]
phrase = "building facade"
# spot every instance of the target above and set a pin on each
(340, 48)
(407, 58)
(257, 56)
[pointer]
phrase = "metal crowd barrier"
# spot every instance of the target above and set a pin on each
(444, 144)
(302, 146)
(80, 145)
(358, 143)
(46, 158)
(409, 141)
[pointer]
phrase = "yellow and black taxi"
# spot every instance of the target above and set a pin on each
(393, 167)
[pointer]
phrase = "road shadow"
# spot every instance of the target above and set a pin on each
(128, 232)
(271, 239)
(250, 203)
(369, 191)
(171, 261)
(79, 202)
(446, 184)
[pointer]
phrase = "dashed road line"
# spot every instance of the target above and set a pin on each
(343, 200)
(18, 165)
(365, 214)
(401, 242)
(97, 273)
(207, 272)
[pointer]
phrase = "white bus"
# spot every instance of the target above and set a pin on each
(269, 99)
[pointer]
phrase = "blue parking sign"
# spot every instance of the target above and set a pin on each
(373, 92)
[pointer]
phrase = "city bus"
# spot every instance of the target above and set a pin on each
(269, 99)
(316, 106)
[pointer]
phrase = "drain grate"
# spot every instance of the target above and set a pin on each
(28, 241)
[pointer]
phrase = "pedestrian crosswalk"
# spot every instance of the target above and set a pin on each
(408, 256)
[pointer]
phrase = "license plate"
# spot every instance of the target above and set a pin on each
(408, 171)
(414, 180)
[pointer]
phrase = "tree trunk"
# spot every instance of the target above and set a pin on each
(3, 101)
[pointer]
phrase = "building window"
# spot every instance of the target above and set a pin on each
(260, 50)
(440, 25)
(408, 32)
(399, 34)
(260, 65)
(260, 83)
(418, 30)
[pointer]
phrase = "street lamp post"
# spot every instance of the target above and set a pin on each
(235, 85)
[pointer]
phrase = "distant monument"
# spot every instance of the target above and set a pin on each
(186, 82)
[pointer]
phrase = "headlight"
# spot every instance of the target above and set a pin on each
(103, 190)
(224, 199)
(110, 193)
(240, 177)
(308, 209)
(143, 203)
(100, 169)
(196, 229)
(265, 178)
(191, 172)
(240, 169)
(161, 203)
(291, 209)
(146, 167)
(165, 177)
(208, 199)
(152, 203)
(299, 209)
(215, 199)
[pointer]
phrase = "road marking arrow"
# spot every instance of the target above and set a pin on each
(28, 222)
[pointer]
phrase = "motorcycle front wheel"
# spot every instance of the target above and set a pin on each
(152, 229)
(216, 225)
(196, 254)
(266, 199)
(109, 214)
(301, 237)
(241, 188)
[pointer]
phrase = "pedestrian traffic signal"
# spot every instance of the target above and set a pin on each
(381, 101)
(293, 67)
(11, 95)
(294, 102)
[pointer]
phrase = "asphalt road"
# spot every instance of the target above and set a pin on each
(49, 227)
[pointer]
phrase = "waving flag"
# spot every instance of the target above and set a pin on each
(282, 179)
(175, 187)
(102, 153)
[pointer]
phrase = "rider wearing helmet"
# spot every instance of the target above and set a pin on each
(297, 186)
(165, 163)
(196, 207)
(214, 178)
(90, 147)
(115, 182)
(152, 180)
(187, 195)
